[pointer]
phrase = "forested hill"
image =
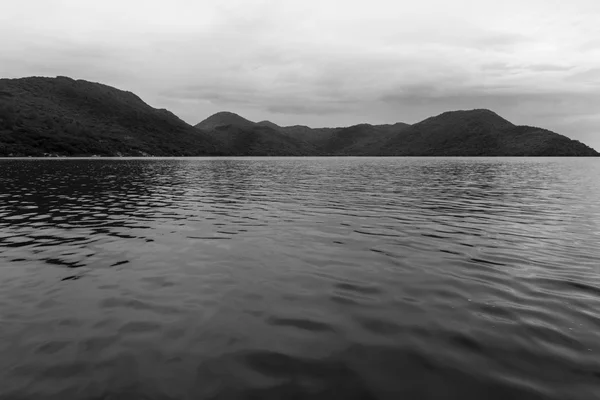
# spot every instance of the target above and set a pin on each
(477, 132)
(66, 117)
(44, 116)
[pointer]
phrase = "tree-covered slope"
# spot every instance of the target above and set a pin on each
(67, 117)
(62, 116)
(478, 133)
(242, 137)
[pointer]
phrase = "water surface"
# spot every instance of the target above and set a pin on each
(300, 278)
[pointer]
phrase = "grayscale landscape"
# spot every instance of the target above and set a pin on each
(260, 199)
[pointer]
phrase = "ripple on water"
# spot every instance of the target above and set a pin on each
(350, 278)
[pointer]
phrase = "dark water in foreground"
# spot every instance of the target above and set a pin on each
(300, 278)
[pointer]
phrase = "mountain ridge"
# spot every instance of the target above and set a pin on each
(66, 117)
(62, 116)
(480, 132)
(476, 132)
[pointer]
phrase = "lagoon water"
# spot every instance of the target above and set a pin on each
(300, 278)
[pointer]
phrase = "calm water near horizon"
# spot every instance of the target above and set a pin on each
(300, 278)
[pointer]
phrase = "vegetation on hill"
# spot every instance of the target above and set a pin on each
(360, 139)
(64, 117)
(317, 136)
(478, 133)
(454, 133)
(224, 118)
(245, 138)
(61, 116)
(258, 141)
(354, 140)
(269, 124)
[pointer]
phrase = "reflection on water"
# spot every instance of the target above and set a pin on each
(351, 278)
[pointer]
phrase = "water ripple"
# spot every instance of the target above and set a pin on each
(350, 278)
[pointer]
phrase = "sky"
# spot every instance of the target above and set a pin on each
(324, 62)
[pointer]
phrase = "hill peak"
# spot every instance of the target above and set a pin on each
(269, 124)
(477, 112)
(223, 118)
(479, 115)
(226, 114)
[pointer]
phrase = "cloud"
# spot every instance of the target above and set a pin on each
(499, 41)
(497, 66)
(320, 62)
(308, 109)
(590, 76)
(590, 45)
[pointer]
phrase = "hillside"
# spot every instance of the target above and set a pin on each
(360, 139)
(478, 133)
(241, 137)
(316, 136)
(269, 124)
(455, 133)
(258, 141)
(346, 141)
(66, 117)
(62, 116)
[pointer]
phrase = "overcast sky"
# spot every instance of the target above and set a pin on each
(324, 62)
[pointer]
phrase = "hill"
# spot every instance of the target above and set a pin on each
(478, 133)
(269, 124)
(62, 116)
(258, 141)
(358, 140)
(353, 140)
(317, 136)
(241, 137)
(224, 118)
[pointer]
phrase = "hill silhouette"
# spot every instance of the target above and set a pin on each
(360, 139)
(244, 137)
(61, 116)
(346, 141)
(241, 137)
(311, 135)
(224, 118)
(269, 124)
(478, 133)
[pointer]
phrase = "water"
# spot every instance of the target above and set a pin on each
(265, 278)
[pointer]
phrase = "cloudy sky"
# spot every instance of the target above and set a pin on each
(324, 62)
